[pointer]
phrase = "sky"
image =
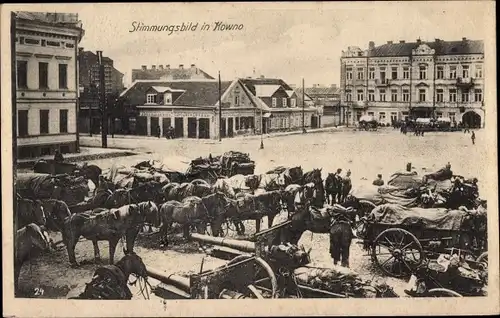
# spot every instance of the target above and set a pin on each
(285, 40)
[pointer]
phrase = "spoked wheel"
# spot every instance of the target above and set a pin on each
(264, 283)
(442, 292)
(397, 252)
(483, 260)
(224, 228)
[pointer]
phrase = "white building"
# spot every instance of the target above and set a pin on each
(47, 82)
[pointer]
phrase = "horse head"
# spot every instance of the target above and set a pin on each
(38, 212)
(132, 263)
(38, 238)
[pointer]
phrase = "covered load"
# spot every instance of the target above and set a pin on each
(235, 162)
(406, 180)
(435, 218)
(367, 118)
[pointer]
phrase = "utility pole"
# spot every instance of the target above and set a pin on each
(261, 130)
(220, 111)
(102, 101)
(303, 107)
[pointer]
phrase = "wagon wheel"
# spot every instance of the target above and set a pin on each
(224, 228)
(442, 292)
(397, 252)
(263, 274)
(482, 260)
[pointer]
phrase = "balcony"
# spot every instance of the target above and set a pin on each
(465, 83)
(380, 82)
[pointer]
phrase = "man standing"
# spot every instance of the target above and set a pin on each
(58, 157)
(158, 131)
(473, 137)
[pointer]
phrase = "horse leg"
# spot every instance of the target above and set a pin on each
(97, 254)
(346, 246)
(270, 219)
(112, 248)
(257, 225)
(185, 230)
(131, 235)
(335, 241)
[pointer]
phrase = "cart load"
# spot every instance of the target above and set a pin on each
(385, 194)
(235, 162)
(405, 180)
(435, 218)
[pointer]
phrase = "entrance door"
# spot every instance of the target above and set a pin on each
(179, 127)
(471, 120)
(230, 126)
(167, 122)
(314, 122)
(141, 127)
(223, 128)
(154, 126)
(204, 128)
(264, 125)
(192, 127)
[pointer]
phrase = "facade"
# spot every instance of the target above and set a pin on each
(282, 107)
(326, 98)
(47, 82)
(157, 72)
(190, 107)
(396, 81)
(89, 88)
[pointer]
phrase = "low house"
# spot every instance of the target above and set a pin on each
(326, 98)
(190, 107)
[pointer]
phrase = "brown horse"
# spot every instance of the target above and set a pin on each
(56, 211)
(28, 211)
(26, 239)
(255, 207)
(194, 211)
(108, 225)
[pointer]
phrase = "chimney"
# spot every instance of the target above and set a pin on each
(160, 66)
(181, 66)
(144, 67)
(437, 40)
(167, 66)
(402, 41)
(389, 42)
(464, 39)
(371, 45)
(153, 67)
(193, 65)
(419, 41)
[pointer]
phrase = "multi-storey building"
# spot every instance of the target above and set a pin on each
(89, 86)
(396, 81)
(47, 82)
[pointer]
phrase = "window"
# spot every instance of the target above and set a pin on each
(406, 95)
(371, 113)
(439, 95)
(452, 116)
(394, 116)
(371, 95)
(382, 95)
(63, 120)
(361, 96)
(274, 101)
(381, 116)
(465, 96)
(361, 72)
(440, 72)
(293, 102)
(358, 115)
(44, 121)
(284, 102)
(22, 123)
(453, 95)
(236, 100)
(349, 73)
(394, 73)
(348, 96)
(382, 74)
(423, 72)
(479, 71)
(371, 73)
(421, 95)
(394, 95)
(465, 71)
(478, 95)
(439, 115)
(453, 71)
(43, 75)
(167, 99)
(237, 123)
(151, 99)
(63, 75)
(22, 74)
(406, 72)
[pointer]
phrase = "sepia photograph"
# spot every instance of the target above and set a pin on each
(159, 155)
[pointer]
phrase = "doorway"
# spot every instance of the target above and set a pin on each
(179, 127)
(230, 126)
(192, 127)
(204, 128)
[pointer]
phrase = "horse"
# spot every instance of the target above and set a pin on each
(333, 188)
(193, 210)
(28, 211)
(345, 189)
(110, 281)
(222, 185)
(89, 171)
(56, 211)
(175, 191)
(292, 175)
(196, 190)
(27, 238)
(314, 176)
(254, 207)
(272, 182)
(277, 170)
(121, 197)
(110, 225)
(200, 181)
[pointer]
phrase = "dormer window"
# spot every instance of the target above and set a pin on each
(151, 99)
(167, 99)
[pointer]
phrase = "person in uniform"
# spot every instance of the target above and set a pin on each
(473, 137)
(58, 157)
(378, 182)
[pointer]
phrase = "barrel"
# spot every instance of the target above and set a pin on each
(240, 245)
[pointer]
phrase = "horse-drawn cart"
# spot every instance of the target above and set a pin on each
(368, 122)
(234, 162)
(399, 239)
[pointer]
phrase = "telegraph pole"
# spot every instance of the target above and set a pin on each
(220, 111)
(102, 100)
(261, 130)
(303, 107)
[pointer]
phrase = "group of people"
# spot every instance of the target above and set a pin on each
(169, 133)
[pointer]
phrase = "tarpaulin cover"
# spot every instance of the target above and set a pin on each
(367, 192)
(436, 218)
(36, 185)
(405, 180)
(395, 195)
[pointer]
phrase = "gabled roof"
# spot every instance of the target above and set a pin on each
(163, 89)
(290, 93)
(170, 74)
(298, 91)
(441, 47)
(266, 90)
(196, 93)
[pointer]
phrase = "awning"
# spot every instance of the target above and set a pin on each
(266, 115)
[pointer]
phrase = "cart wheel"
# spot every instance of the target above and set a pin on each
(240, 227)
(442, 292)
(263, 277)
(224, 227)
(483, 259)
(397, 252)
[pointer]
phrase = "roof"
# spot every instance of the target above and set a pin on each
(53, 18)
(169, 73)
(196, 93)
(290, 92)
(441, 47)
(311, 91)
(251, 82)
(163, 89)
(265, 90)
